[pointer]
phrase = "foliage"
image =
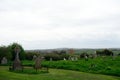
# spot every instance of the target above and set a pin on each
(105, 52)
(29, 55)
(9, 51)
(4, 52)
(98, 65)
(83, 55)
(119, 54)
(56, 56)
(12, 50)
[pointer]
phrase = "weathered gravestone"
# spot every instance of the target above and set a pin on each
(17, 63)
(38, 62)
(86, 58)
(76, 58)
(51, 59)
(34, 57)
(4, 60)
(64, 59)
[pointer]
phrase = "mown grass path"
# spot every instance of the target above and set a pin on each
(54, 74)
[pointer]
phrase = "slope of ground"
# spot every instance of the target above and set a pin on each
(54, 74)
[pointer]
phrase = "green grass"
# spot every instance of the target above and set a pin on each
(54, 74)
(30, 70)
(102, 66)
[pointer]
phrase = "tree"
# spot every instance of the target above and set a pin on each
(105, 52)
(4, 52)
(83, 55)
(108, 52)
(29, 55)
(12, 51)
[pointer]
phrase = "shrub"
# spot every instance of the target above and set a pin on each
(83, 55)
(12, 51)
(29, 55)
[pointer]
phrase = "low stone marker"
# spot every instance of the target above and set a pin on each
(51, 59)
(4, 60)
(34, 57)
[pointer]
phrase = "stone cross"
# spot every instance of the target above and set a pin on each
(17, 63)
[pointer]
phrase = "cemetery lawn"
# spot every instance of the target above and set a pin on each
(54, 74)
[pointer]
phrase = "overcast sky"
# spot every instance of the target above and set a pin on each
(41, 24)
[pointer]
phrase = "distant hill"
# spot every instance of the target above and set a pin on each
(76, 50)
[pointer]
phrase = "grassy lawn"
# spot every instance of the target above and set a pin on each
(54, 74)
(85, 66)
(101, 65)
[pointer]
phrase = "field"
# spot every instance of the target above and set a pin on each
(100, 68)
(54, 74)
(100, 65)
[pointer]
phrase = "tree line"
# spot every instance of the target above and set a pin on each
(9, 51)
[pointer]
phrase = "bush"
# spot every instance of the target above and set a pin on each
(4, 52)
(105, 52)
(83, 55)
(56, 56)
(12, 51)
(29, 55)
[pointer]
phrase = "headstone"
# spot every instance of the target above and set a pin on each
(69, 58)
(17, 63)
(64, 59)
(50, 59)
(38, 62)
(76, 58)
(95, 55)
(113, 56)
(34, 57)
(4, 60)
(72, 58)
(86, 58)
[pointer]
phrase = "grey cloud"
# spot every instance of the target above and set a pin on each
(64, 23)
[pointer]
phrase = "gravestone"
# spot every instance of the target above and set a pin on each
(86, 58)
(4, 60)
(64, 59)
(51, 59)
(114, 56)
(72, 58)
(17, 63)
(34, 57)
(76, 58)
(38, 62)
(69, 58)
